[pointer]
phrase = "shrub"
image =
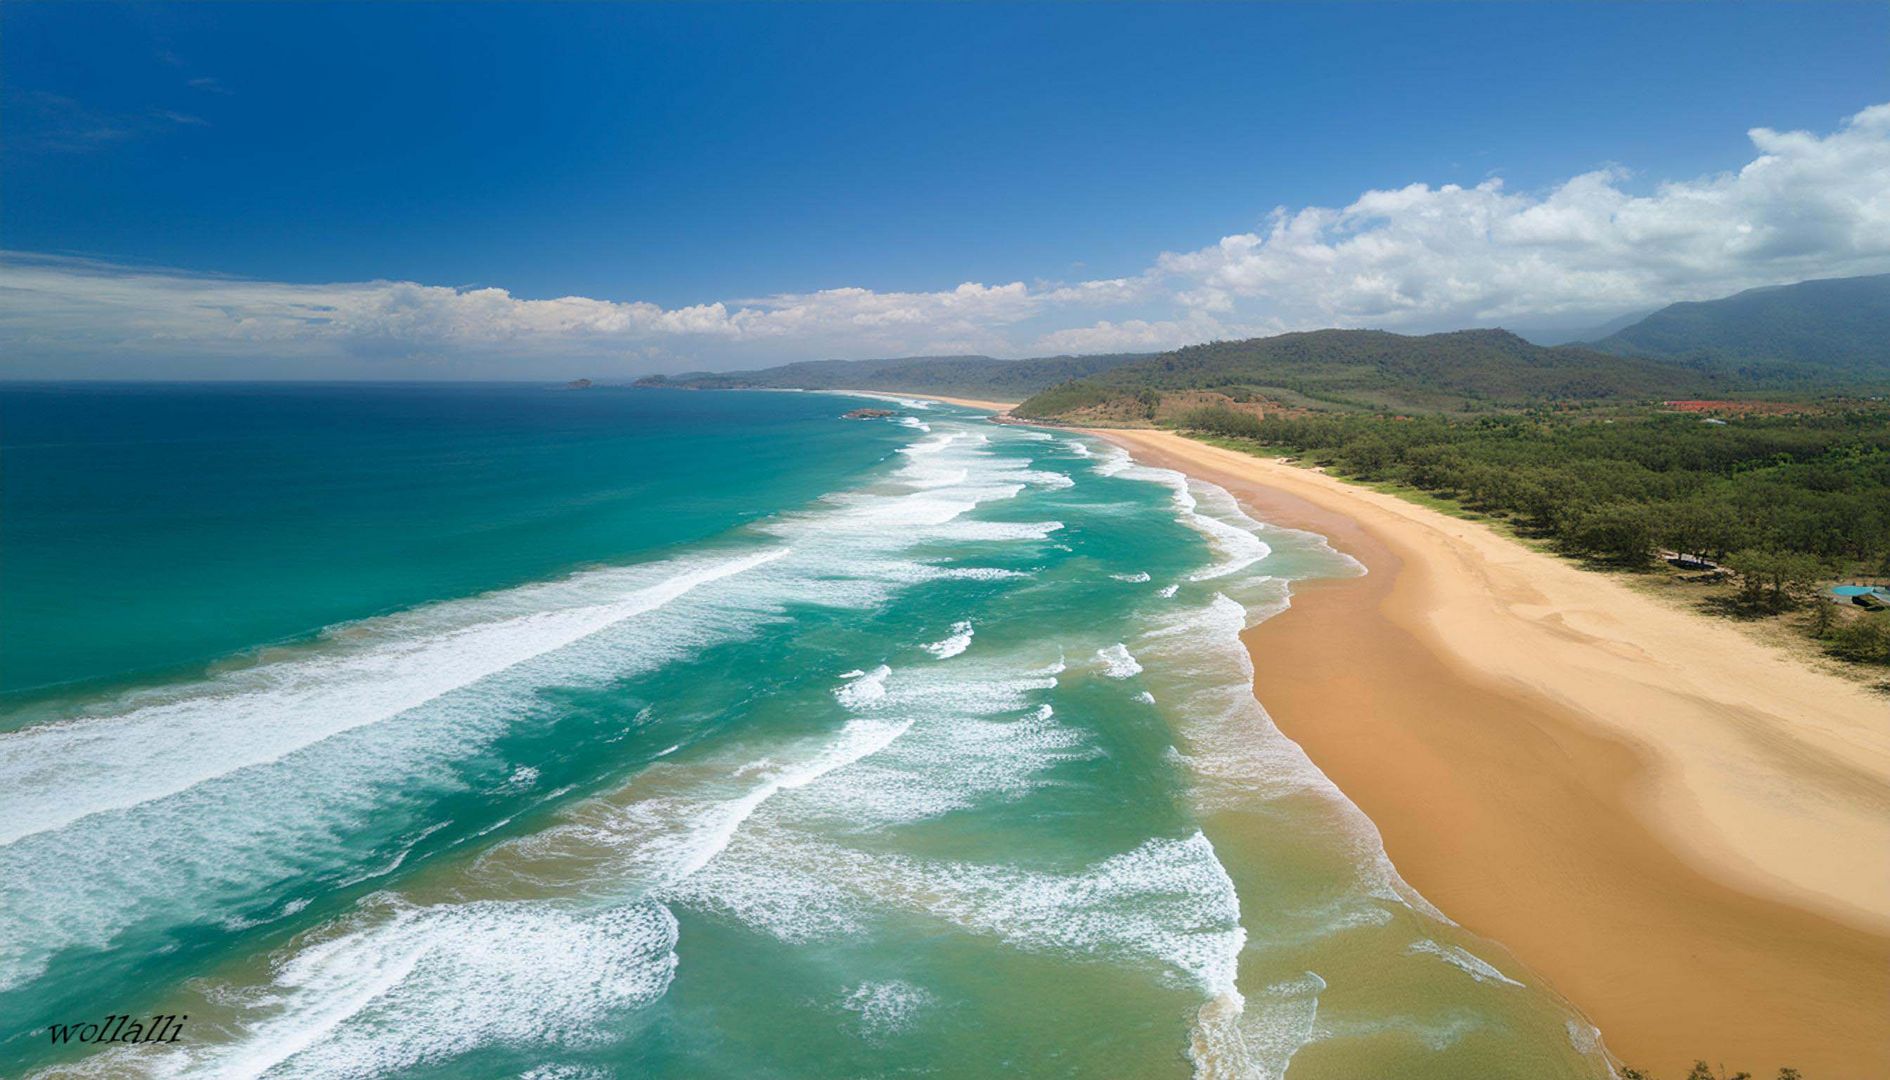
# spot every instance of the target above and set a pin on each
(1867, 640)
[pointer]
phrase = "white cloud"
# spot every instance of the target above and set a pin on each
(1416, 258)
(1807, 206)
(1142, 335)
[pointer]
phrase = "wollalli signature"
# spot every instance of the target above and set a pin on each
(118, 1028)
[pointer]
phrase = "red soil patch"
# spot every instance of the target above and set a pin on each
(1744, 408)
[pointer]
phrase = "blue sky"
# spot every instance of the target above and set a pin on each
(699, 155)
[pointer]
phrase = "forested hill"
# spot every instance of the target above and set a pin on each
(963, 376)
(1464, 370)
(1809, 332)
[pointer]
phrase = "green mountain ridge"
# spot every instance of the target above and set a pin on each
(1376, 370)
(1815, 337)
(1807, 333)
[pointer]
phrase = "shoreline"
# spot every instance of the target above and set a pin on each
(887, 395)
(1682, 830)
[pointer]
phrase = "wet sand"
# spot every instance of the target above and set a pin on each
(1687, 834)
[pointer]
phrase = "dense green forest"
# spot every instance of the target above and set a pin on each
(962, 376)
(1790, 335)
(1460, 371)
(1787, 502)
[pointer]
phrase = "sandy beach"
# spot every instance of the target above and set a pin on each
(974, 403)
(1685, 832)
(970, 403)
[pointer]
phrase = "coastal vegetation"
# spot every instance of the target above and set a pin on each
(1702, 1071)
(1774, 505)
(1464, 371)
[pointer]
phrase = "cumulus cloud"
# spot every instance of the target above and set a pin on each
(59, 305)
(1143, 335)
(1414, 258)
(1807, 206)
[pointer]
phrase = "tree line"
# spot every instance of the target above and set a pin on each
(1785, 502)
(1702, 1071)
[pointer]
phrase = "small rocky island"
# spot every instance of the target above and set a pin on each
(867, 414)
(578, 384)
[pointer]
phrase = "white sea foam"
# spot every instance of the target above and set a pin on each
(1117, 663)
(56, 773)
(279, 810)
(1435, 1035)
(394, 863)
(566, 1072)
(957, 642)
(655, 843)
(1584, 1037)
(973, 735)
(865, 689)
(408, 967)
(520, 973)
(763, 831)
(1166, 905)
(1234, 1039)
(865, 540)
(904, 402)
(982, 573)
(1238, 545)
(1136, 577)
(1464, 960)
(1231, 532)
(237, 922)
(886, 1008)
(191, 853)
(1234, 750)
(859, 739)
(1168, 591)
(1114, 461)
(450, 977)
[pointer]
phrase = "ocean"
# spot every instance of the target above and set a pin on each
(498, 731)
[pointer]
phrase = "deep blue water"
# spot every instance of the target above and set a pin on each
(150, 528)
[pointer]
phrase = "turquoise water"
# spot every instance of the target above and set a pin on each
(495, 731)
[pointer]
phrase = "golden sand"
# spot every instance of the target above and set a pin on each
(970, 403)
(1687, 833)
